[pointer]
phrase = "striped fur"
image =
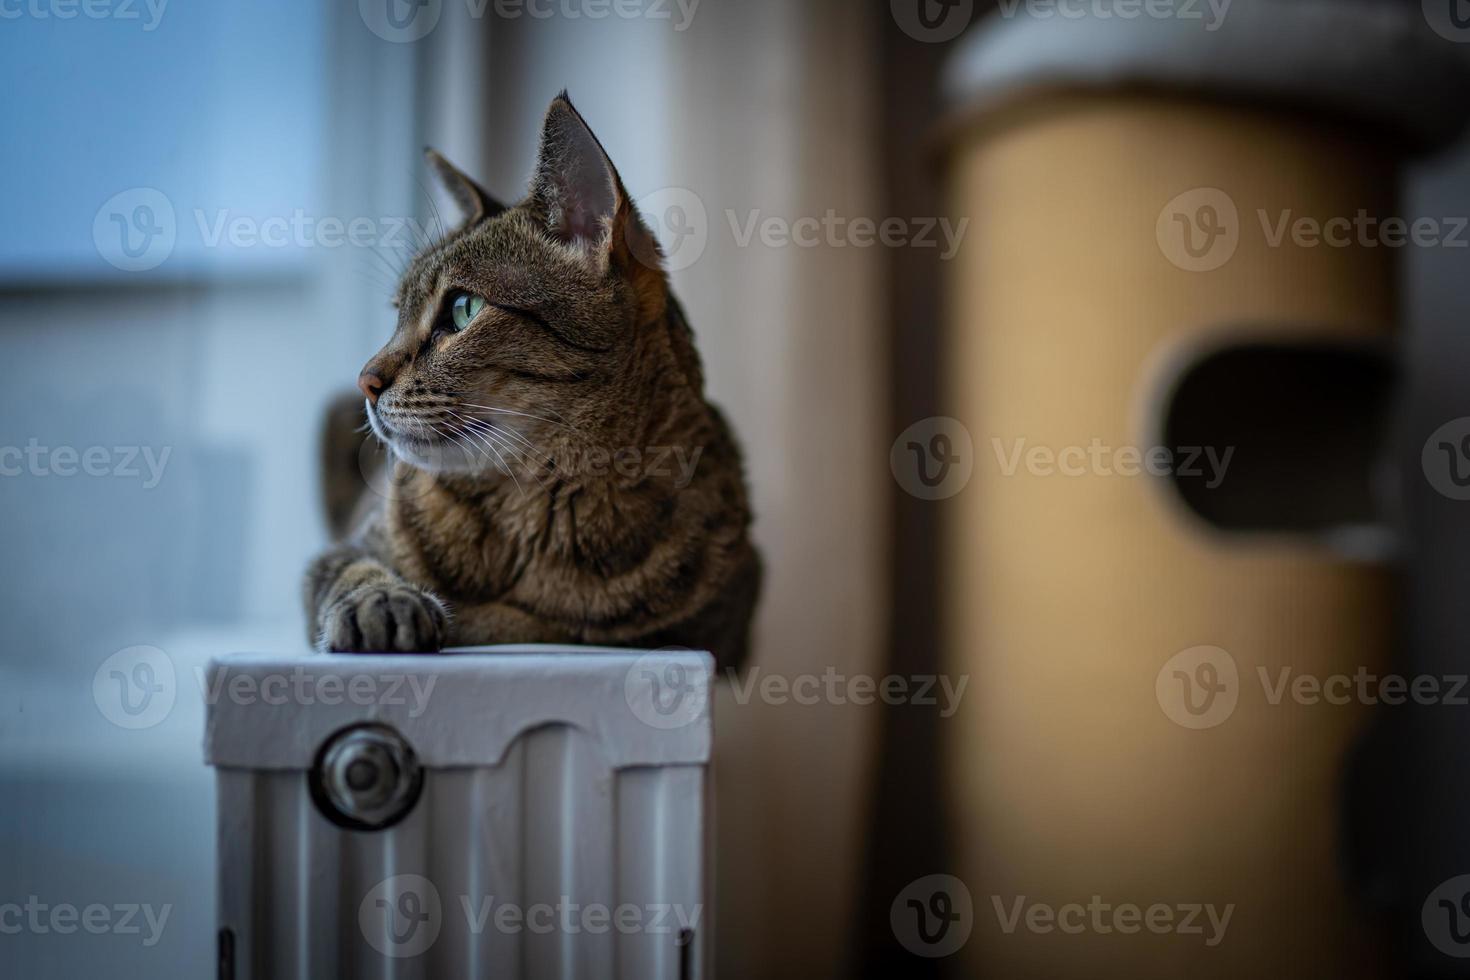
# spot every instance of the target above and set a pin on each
(559, 476)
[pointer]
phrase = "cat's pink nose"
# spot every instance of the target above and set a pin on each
(371, 385)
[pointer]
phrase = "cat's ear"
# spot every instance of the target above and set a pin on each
(578, 194)
(474, 203)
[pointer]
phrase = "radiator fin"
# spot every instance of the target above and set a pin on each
(552, 865)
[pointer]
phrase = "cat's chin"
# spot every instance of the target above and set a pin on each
(437, 456)
(440, 458)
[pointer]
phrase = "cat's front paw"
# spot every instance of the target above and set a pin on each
(385, 619)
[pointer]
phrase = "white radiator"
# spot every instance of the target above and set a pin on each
(532, 812)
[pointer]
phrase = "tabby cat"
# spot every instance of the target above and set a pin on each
(558, 476)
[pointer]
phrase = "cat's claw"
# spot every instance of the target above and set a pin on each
(385, 619)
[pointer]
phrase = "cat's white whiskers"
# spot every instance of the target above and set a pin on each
(507, 411)
(504, 465)
(475, 447)
(506, 432)
(374, 279)
(463, 438)
(383, 266)
(487, 432)
(462, 444)
(521, 455)
(440, 233)
(397, 266)
(509, 472)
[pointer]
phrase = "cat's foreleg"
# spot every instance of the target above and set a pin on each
(496, 622)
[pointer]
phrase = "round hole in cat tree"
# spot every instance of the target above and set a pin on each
(1297, 431)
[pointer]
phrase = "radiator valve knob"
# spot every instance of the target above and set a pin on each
(366, 778)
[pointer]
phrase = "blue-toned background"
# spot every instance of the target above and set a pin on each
(210, 363)
(202, 207)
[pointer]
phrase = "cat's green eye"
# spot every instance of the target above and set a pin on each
(466, 307)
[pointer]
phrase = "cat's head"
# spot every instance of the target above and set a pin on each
(529, 321)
